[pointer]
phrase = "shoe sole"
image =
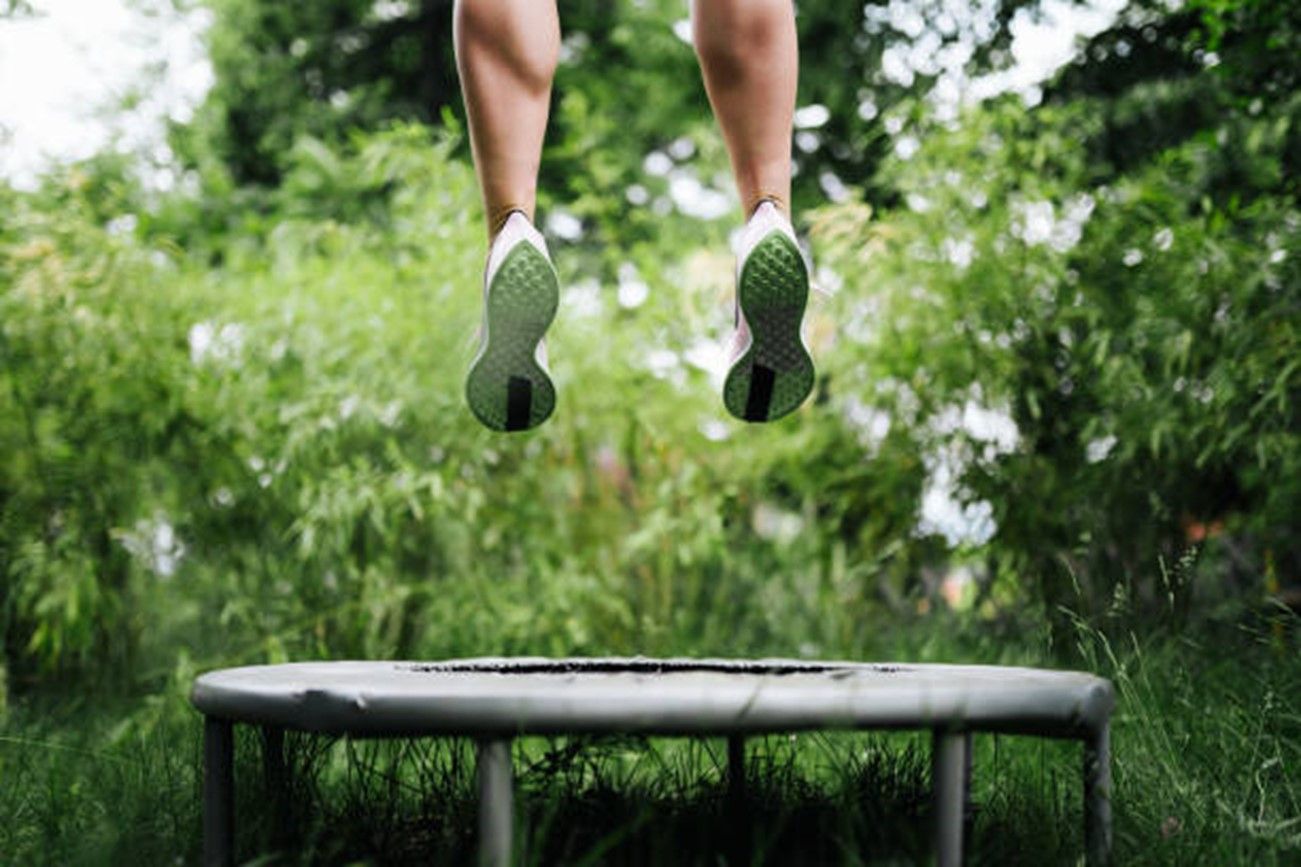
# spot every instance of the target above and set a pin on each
(506, 388)
(775, 374)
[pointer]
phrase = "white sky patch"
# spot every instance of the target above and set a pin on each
(1097, 450)
(772, 522)
(991, 425)
(833, 187)
(657, 164)
(663, 363)
(154, 544)
(682, 29)
(213, 342)
(564, 225)
(715, 430)
(958, 251)
(637, 195)
(633, 290)
(943, 511)
(1045, 41)
(682, 148)
(947, 508)
(906, 146)
(389, 10)
(939, 37)
(694, 199)
(1037, 222)
(63, 71)
(870, 423)
(811, 116)
(710, 356)
(583, 298)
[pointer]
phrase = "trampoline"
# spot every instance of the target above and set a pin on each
(494, 700)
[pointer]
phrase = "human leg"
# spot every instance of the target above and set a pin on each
(749, 57)
(506, 52)
(750, 61)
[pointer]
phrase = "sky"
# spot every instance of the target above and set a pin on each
(63, 71)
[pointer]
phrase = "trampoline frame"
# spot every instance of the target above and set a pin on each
(950, 753)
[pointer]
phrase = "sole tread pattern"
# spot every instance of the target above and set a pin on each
(775, 374)
(506, 388)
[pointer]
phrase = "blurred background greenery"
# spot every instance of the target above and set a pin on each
(1057, 410)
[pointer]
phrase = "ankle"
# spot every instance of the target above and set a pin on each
(753, 206)
(498, 216)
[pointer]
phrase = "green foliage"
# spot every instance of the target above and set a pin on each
(90, 393)
(1117, 272)
(1059, 380)
(1142, 341)
(238, 413)
(627, 85)
(286, 70)
(276, 455)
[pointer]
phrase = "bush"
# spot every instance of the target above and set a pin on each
(271, 458)
(1105, 371)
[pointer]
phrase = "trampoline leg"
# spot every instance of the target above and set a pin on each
(948, 772)
(1097, 797)
(218, 793)
(496, 814)
(277, 781)
(968, 815)
(738, 831)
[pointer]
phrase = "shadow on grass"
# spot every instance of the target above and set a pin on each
(812, 800)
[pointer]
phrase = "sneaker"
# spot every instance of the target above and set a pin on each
(509, 387)
(771, 372)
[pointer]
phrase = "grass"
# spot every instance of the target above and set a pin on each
(1207, 742)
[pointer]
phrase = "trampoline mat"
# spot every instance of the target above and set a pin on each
(527, 695)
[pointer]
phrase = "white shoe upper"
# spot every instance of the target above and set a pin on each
(516, 230)
(765, 220)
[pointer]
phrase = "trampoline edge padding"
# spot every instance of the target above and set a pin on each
(492, 696)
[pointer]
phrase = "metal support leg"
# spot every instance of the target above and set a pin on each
(496, 813)
(218, 793)
(948, 767)
(738, 824)
(276, 777)
(968, 814)
(1097, 797)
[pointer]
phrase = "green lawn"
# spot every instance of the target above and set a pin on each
(1207, 741)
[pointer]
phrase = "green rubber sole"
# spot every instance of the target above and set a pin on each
(775, 375)
(506, 388)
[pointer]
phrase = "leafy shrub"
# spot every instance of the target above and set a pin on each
(94, 419)
(1043, 380)
(1137, 342)
(272, 457)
